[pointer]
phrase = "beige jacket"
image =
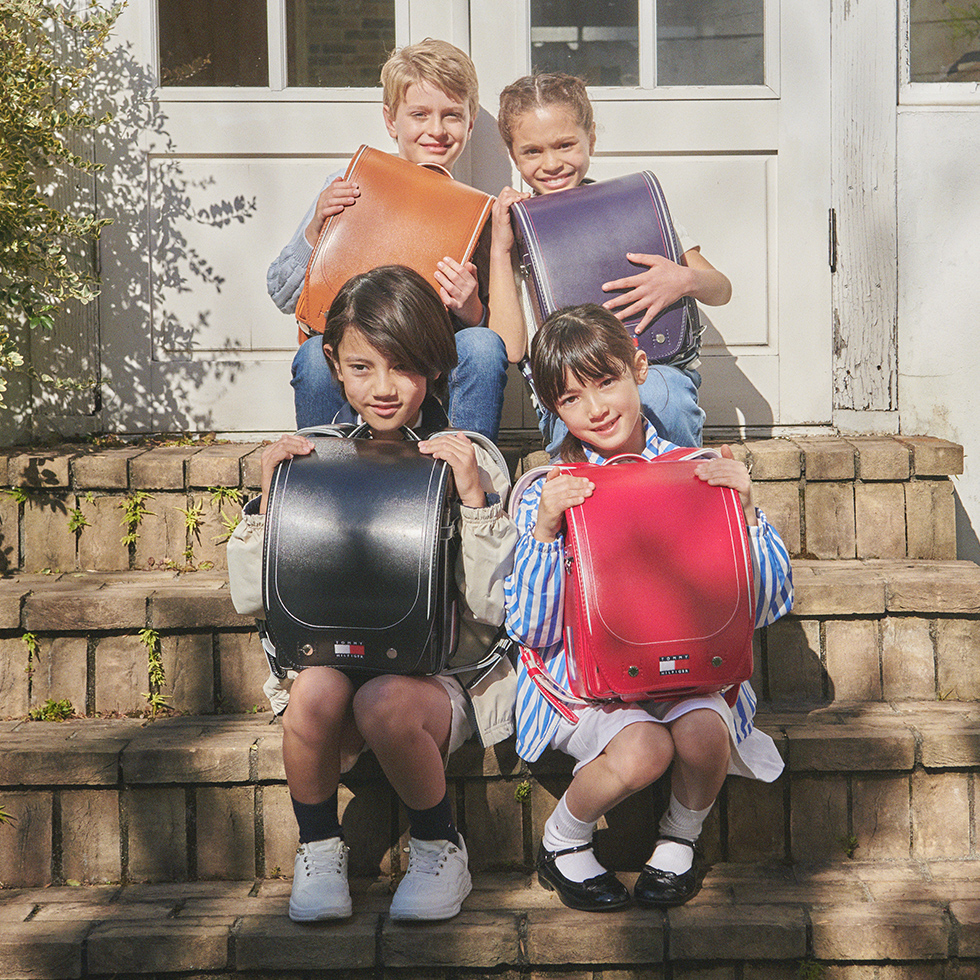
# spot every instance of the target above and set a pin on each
(487, 539)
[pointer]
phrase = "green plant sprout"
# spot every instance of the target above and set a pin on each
(193, 517)
(76, 521)
(33, 651)
(849, 844)
(18, 493)
(223, 495)
(523, 791)
(156, 701)
(810, 970)
(134, 510)
(52, 710)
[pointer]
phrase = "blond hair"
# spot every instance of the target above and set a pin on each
(437, 62)
(536, 91)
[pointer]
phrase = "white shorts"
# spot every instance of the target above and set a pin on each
(461, 728)
(599, 724)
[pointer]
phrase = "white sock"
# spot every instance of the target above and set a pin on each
(563, 830)
(681, 822)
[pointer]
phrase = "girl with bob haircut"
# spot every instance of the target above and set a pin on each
(587, 370)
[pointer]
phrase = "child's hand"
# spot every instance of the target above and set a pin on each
(336, 196)
(503, 231)
(653, 290)
(729, 472)
(560, 491)
(460, 454)
(285, 447)
(458, 290)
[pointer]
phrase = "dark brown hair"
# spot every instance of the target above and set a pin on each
(401, 315)
(534, 91)
(586, 340)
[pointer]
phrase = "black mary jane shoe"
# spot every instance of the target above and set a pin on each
(604, 893)
(659, 889)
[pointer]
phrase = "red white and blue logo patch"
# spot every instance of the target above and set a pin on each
(348, 649)
(674, 665)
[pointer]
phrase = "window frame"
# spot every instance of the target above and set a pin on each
(647, 66)
(277, 90)
(926, 93)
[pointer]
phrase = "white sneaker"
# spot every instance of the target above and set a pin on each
(320, 888)
(436, 882)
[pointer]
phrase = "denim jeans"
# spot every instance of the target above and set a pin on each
(669, 398)
(317, 395)
(476, 384)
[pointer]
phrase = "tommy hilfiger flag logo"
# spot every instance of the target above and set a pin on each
(348, 649)
(673, 665)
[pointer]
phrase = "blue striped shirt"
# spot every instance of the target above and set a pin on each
(534, 596)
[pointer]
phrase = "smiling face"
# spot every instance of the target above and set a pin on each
(386, 395)
(551, 149)
(605, 412)
(429, 125)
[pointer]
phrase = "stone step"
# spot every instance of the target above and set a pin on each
(909, 920)
(153, 506)
(204, 797)
(871, 630)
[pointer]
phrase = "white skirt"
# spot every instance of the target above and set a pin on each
(754, 757)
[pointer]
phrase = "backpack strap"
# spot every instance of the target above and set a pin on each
(557, 696)
(523, 482)
(483, 442)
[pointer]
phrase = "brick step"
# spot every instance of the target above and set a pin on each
(868, 630)
(904, 920)
(65, 508)
(204, 797)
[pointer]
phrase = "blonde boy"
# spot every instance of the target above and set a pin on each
(430, 102)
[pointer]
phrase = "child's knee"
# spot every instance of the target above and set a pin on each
(318, 693)
(701, 736)
(640, 754)
(379, 703)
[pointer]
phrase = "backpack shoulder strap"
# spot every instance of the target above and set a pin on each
(523, 482)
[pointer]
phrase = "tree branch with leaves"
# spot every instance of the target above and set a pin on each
(50, 51)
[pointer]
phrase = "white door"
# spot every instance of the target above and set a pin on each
(728, 102)
(229, 115)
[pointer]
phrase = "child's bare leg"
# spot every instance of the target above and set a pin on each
(637, 756)
(319, 741)
(406, 721)
(703, 748)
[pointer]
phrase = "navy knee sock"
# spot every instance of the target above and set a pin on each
(435, 823)
(317, 821)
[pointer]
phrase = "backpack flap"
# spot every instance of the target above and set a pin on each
(569, 244)
(659, 586)
(360, 546)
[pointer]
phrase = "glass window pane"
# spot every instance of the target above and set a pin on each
(597, 40)
(338, 43)
(222, 42)
(713, 42)
(944, 41)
